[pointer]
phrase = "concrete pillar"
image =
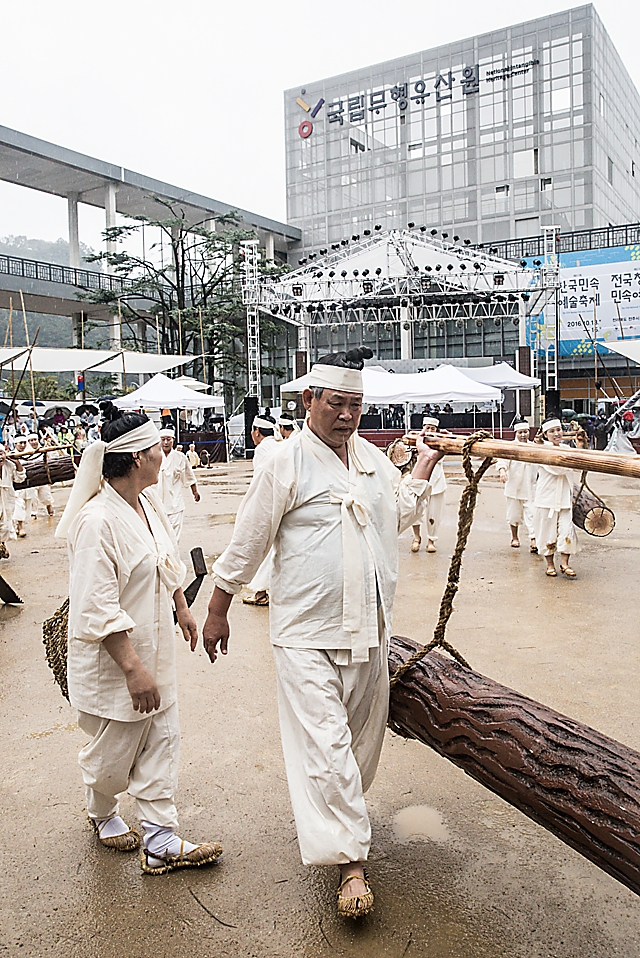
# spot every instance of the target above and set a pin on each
(74, 235)
(110, 214)
(270, 247)
(406, 333)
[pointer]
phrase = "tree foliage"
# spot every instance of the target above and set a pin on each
(192, 303)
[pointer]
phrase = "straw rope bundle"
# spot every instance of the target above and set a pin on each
(54, 637)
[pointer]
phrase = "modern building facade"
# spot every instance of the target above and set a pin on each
(490, 138)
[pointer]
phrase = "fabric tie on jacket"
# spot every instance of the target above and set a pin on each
(353, 514)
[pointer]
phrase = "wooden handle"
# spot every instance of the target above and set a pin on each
(589, 460)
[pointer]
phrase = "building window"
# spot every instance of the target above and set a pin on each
(601, 104)
(610, 170)
(356, 147)
(633, 168)
(545, 183)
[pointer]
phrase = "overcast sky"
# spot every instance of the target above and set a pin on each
(192, 92)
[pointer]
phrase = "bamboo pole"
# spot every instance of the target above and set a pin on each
(33, 388)
(589, 460)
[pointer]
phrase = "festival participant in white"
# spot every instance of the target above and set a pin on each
(287, 427)
(519, 480)
(555, 531)
(192, 456)
(176, 475)
(10, 471)
(431, 513)
(265, 442)
(125, 580)
(39, 495)
(23, 496)
(332, 505)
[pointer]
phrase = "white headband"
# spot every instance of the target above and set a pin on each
(33, 436)
(551, 425)
(167, 433)
(430, 421)
(260, 423)
(520, 425)
(288, 423)
(336, 377)
(89, 475)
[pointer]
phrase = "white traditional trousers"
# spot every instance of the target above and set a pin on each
(138, 757)
(521, 511)
(40, 495)
(332, 720)
(432, 514)
(555, 531)
(20, 510)
(175, 520)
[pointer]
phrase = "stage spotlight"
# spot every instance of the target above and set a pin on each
(365, 272)
(297, 308)
(378, 271)
(434, 232)
(310, 308)
(438, 267)
(324, 251)
(423, 229)
(319, 275)
(526, 297)
(428, 269)
(367, 232)
(411, 225)
(312, 255)
(537, 262)
(450, 266)
(355, 237)
(355, 272)
(275, 310)
(445, 236)
(467, 242)
(511, 298)
(332, 273)
(523, 263)
(343, 273)
(377, 227)
(477, 266)
(404, 302)
(455, 239)
(463, 265)
(343, 242)
(301, 262)
(497, 321)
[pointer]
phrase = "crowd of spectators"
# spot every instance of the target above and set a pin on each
(73, 431)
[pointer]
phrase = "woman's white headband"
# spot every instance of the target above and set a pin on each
(552, 424)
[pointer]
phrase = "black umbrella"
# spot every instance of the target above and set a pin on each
(87, 407)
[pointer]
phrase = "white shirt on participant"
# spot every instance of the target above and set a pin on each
(176, 475)
(263, 451)
(122, 578)
(554, 489)
(334, 533)
(521, 477)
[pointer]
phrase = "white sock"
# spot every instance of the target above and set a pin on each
(161, 842)
(110, 827)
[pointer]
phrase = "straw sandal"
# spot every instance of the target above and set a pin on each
(4, 552)
(415, 545)
(568, 571)
(533, 549)
(260, 598)
(515, 543)
(430, 546)
(551, 572)
(205, 854)
(359, 905)
(128, 842)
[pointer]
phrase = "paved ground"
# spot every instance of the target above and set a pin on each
(478, 881)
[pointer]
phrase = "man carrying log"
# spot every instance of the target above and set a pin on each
(40, 495)
(432, 512)
(10, 472)
(555, 531)
(23, 496)
(332, 505)
(519, 480)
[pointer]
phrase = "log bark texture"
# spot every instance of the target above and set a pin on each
(589, 460)
(56, 469)
(577, 783)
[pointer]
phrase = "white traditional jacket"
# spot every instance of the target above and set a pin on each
(263, 451)
(521, 478)
(334, 533)
(8, 475)
(175, 475)
(554, 489)
(122, 578)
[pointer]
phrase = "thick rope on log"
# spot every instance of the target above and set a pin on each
(579, 784)
(465, 520)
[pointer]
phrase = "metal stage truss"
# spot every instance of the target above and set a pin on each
(400, 276)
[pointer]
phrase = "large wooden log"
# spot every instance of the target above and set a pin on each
(589, 460)
(580, 785)
(591, 514)
(39, 473)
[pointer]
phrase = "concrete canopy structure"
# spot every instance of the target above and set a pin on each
(39, 165)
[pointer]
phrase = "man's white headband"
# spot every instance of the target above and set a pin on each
(260, 423)
(430, 421)
(33, 436)
(520, 425)
(336, 377)
(167, 434)
(551, 425)
(89, 475)
(287, 423)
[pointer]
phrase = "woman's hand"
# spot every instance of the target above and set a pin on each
(145, 696)
(188, 625)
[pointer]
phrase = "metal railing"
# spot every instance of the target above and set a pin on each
(576, 242)
(65, 275)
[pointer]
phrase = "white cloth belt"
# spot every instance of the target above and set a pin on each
(353, 514)
(170, 570)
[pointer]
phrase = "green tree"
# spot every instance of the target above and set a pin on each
(194, 300)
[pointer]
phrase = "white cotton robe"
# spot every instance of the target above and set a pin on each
(555, 531)
(8, 475)
(520, 489)
(335, 540)
(431, 513)
(176, 475)
(122, 578)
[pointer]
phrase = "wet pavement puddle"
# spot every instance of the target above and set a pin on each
(420, 823)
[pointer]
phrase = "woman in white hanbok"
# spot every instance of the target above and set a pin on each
(555, 531)
(125, 582)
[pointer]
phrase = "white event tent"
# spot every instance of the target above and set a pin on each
(444, 384)
(164, 393)
(45, 360)
(502, 375)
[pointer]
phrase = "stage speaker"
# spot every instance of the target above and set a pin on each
(250, 412)
(552, 403)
